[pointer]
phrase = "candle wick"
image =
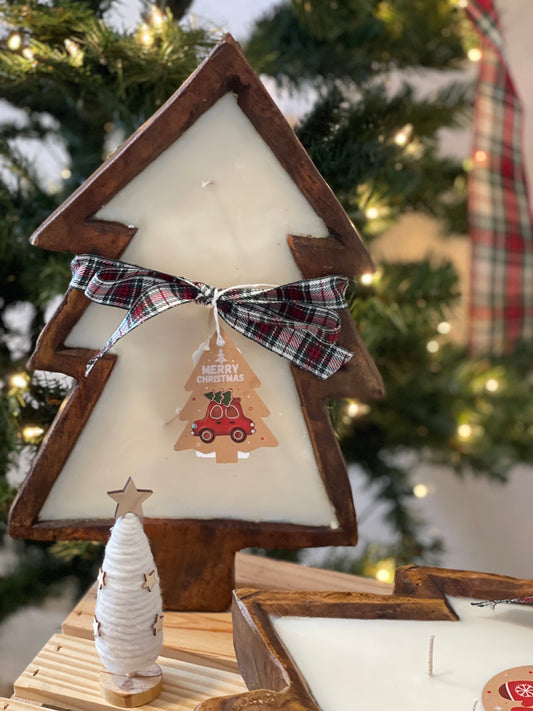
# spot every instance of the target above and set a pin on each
(475, 705)
(430, 655)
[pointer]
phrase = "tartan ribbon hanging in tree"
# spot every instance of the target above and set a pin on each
(501, 305)
(298, 321)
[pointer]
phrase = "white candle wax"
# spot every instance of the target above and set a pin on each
(354, 665)
(216, 206)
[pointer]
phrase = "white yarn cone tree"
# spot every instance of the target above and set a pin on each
(128, 622)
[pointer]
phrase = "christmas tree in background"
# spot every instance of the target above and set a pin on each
(81, 86)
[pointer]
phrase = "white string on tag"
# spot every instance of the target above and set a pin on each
(220, 338)
(219, 292)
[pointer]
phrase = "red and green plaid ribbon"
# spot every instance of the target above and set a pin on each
(298, 321)
(501, 308)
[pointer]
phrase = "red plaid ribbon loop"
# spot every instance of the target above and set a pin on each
(298, 321)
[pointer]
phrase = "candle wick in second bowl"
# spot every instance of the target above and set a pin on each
(430, 655)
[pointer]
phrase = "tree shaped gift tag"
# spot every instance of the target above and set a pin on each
(225, 413)
(214, 208)
(128, 620)
(441, 641)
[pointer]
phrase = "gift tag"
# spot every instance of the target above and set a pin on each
(224, 413)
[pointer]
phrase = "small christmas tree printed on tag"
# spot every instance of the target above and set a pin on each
(224, 413)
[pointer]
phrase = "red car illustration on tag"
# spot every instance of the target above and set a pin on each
(224, 416)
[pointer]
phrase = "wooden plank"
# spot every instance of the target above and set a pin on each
(253, 571)
(14, 704)
(66, 674)
(207, 637)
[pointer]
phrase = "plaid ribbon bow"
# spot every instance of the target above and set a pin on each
(297, 321)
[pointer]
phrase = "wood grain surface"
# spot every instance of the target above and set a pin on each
(66, 674)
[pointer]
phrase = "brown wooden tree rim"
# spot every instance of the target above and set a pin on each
(73, 228)
(267, 668)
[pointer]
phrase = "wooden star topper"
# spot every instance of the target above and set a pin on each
(129, 499)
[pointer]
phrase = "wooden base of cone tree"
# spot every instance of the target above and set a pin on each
(130, 691)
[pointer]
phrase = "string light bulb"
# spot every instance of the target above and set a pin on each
(31, 433)
(464, 431)
(28, 53)
(145, 36)
(371, 213)
(19, 381)
(157, 17)
(444, 327)
(492, 385)
(356, 408)
(402, 136)
(367, 278)
(385, 570)
(432, 346)
(420, 491)
(14, 41)
(74, 50)
(353, 408)
(474, 54)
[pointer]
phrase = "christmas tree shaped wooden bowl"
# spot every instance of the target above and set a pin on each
(214, 205)
(436, 643)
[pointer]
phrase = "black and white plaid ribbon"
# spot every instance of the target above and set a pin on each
(507, 601)
(298, 321)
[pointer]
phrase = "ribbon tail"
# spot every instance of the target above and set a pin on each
(152, 303)
(126, 326)
(321, 359)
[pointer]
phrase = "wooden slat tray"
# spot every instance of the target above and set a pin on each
(65, 674)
